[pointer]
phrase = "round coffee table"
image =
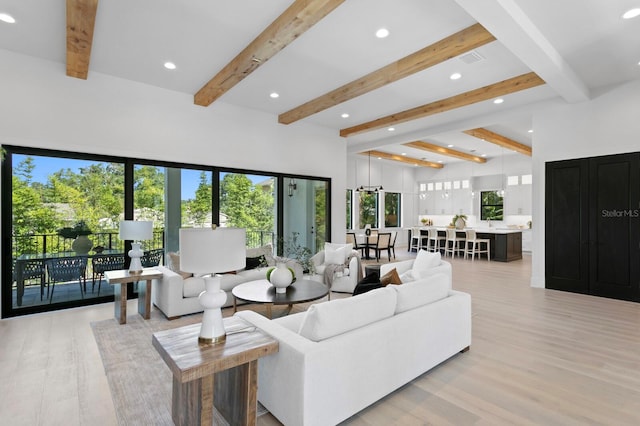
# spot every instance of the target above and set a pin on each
(261, 291)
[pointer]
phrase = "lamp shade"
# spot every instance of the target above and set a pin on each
(135, 230)
(206, 250)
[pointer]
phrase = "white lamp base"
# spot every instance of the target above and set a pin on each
(212, 330)
(135, 254)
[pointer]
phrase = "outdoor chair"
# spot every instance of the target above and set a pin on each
(152, 258)
(65, 269)
(28, 269)
(102, 263)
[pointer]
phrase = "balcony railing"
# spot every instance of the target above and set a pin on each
(54, 243)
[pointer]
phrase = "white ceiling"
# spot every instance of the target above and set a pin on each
(576, 46)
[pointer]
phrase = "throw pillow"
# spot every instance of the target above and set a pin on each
(174, 265)
(336, 256)
(255, 262)
(390, 277)
(334, 246)
(425, 260)
(368, 283)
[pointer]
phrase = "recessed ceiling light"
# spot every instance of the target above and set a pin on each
(382, 33)
(170, 65)
(379, 158)
(391, 129)
(530, 130)
(498, 101)
(274, 95)
(440, 161)
(631, 13)
(483, 155)
(345, 115)
(404, 153)
(5, 17)
(455, 76)
(450, 145)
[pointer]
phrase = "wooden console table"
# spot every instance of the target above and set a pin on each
(223, 375)
(119, 279)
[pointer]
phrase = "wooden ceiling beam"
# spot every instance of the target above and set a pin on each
(426, 146)
(512, 85)
(445, 49)
(293, 22)
(81, 19)
(403, 159)
(500, 140)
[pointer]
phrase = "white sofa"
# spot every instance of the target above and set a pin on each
(346, 278)
(176, 293)
(424, 265)
(341, 356)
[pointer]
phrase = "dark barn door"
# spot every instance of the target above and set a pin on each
(614, 255)
(593, 226)
(566, 236)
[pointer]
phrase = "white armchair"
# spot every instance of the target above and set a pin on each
(345, 279)
(424, 265)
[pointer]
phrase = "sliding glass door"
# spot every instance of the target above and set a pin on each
(305, 213)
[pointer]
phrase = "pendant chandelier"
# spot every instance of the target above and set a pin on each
(369, 188)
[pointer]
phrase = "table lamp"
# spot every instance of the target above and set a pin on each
(211, 251)
(135, 231)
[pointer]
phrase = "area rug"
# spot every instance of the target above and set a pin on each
(139, 380)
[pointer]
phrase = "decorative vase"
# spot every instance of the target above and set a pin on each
(281, 277)
(460, 223)
(82, 244)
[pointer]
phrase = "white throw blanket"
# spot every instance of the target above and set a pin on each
(332, 269)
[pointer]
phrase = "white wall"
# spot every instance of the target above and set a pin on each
(41, 107)
(608, 124)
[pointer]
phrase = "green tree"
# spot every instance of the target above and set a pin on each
(199, 208)
(244, 204)
(368, 209)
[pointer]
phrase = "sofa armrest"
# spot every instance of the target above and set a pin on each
(401, 267)
(166, 290)
(318, 258)
(282, 377)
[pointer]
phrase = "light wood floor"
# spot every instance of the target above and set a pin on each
(537, 357)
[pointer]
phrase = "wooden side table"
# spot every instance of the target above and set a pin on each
(119, 279)
(223, 375)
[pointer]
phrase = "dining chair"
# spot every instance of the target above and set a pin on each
(383, 242)
(102, 263)
(65, 269)
(392, 245)
(474, 245)
(351, 239)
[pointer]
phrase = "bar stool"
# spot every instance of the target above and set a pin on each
(474, 245)
(452, 243)
(417, 239)
(433, 243)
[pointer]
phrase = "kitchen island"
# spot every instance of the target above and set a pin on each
(506, 243)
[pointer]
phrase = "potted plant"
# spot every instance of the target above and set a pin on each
(79, 233)
(459, 221)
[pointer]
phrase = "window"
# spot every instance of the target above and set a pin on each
(349, 212)
(527, 179)
(491, 205)
(392, 209)
(88, 194)
(512, 180)
(247, 201)
(368, 209)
